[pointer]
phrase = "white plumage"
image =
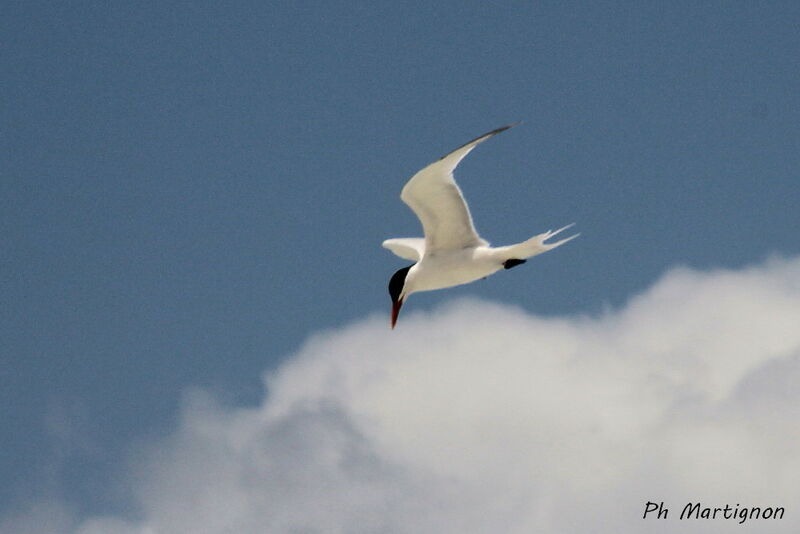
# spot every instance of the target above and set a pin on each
(452, 252)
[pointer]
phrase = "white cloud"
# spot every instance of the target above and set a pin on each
(481, 418)
(46, 516)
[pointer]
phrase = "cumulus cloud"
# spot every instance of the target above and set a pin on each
(481, 418)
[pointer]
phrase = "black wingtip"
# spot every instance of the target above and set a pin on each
(506, 127)
(513, 262)
(493, 132)
(484, 136)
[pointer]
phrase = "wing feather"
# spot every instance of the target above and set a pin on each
(408, 248)
(437, 201)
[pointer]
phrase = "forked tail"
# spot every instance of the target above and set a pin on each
(535, 245)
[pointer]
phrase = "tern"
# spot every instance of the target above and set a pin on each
(451, 253)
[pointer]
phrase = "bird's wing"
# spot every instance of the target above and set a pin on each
(408, 248)
(437, 201)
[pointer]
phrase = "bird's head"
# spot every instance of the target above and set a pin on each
(398, 291)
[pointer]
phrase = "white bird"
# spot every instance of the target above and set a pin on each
(451, 253)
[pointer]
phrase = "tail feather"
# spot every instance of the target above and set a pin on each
(536, 244)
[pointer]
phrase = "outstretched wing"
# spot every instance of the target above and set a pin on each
(408, 248)
(437, 201)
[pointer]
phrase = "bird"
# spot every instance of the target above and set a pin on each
(451, 253)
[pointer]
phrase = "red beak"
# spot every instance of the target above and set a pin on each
(396, 310)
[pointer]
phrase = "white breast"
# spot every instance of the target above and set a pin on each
(452, 268)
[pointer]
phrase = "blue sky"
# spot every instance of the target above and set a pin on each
(190, 190)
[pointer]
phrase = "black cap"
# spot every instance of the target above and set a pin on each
(397, 282)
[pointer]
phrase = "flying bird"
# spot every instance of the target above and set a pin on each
(451, 253)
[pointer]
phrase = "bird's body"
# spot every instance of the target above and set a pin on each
(452, 268)
(451, 253)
